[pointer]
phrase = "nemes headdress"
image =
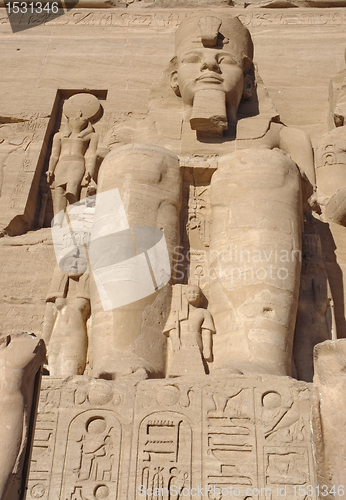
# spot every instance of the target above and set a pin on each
(210, 29)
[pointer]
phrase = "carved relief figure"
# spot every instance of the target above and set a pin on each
(92, 456)
(253, 299)
(7, 146)
(73, 160)
(64, 327)
(189, 328)
(21, 356)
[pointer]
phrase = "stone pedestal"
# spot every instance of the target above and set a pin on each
(215, 436)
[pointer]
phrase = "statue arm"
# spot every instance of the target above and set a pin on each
(54, 157)
(90, 158)
(206, 340)
(175, 340)
(297, 144)
(336, 207)
(48, 322)
(208, 329)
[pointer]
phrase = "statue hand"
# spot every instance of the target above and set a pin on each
(176, 343)
(86, 179)
(207, 354)
(49, 176)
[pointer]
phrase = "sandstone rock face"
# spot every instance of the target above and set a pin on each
(174, 230)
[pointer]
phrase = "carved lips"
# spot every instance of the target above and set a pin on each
(210, 78)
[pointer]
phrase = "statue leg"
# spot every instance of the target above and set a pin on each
(127, 333)
(255, 260)
(59, 204)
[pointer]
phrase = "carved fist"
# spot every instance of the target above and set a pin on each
(87, 178)
(49, 176)
(207, 354)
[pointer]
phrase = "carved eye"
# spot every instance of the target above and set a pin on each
(191, 58)
(226, 59)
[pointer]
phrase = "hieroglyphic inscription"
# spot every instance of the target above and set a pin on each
(108, 17)
(256, 436)
(284, 437)
(230, 438)
(44, 442)
(92, 455)
(198, 212)
(164, 454)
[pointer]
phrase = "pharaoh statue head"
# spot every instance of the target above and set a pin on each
(212, 70)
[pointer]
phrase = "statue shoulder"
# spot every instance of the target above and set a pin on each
(296, 143)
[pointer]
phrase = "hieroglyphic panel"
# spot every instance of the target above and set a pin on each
(82, 440)
(92, 456)
(164, 453)
(284, 437)
(166, 439)
(218, 431)
(44, 440)
(229, 437)
(257, 437)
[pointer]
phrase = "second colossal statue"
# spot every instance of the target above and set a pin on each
(264, 175)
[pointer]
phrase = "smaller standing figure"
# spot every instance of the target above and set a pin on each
(21, 357)
(64, 327)
(189, 328)
(72, 164)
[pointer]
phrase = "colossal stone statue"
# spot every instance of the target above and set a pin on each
(189, 328)
(264, 175)
(21, 356)
(256, 196)
(73, 159)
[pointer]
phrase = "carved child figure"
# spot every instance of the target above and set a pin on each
(73, 160)
(189, 328)
(64, 327)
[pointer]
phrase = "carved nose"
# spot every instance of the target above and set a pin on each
(211, 64)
